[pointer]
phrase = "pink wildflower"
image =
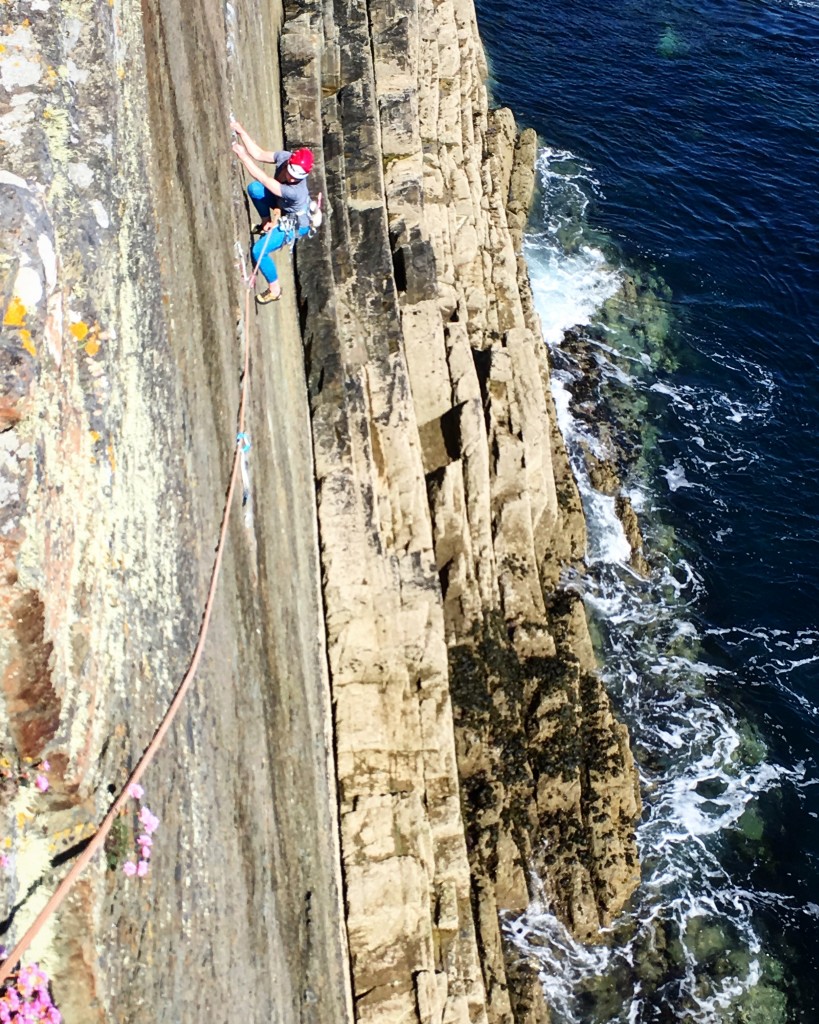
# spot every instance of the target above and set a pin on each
(129, 868)
(26, 981)
(149, 821)
(142, 868)
(54, 1016)
(41, 782)
(145, 840)
(4, 861)
(136, 791)
(46, 767)
(146, 852)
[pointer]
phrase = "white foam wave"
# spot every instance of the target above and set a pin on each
(764, 399)
(778, 657)
(771, 639)
(702, 815)
(701, 773)
(810, 4)
(570, 278)
(678, 394)
(675, 477)
(606, 537)
(567, 962)
(568, 289)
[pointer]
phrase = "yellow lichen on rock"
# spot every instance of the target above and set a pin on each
(15, 315)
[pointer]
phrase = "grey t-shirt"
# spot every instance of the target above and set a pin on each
(295, 199)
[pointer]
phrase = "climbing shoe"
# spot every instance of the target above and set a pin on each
(266, 297)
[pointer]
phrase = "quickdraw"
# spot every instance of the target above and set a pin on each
(288, 224)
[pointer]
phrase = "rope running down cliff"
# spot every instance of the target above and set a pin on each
(99, 836)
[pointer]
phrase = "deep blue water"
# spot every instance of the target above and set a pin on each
(692, 131)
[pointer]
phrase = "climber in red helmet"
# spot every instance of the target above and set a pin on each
(281, 199)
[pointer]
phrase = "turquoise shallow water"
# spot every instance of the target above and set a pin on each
(681, 145)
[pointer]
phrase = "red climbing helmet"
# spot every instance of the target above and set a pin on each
(300, 163)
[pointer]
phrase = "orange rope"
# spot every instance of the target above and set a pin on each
(99, 836)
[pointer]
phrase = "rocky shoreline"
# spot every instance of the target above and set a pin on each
(395, 664)
(437, 449)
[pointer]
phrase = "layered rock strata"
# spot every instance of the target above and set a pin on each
(447, 512)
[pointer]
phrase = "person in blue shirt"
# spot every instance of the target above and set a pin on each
(281, 199)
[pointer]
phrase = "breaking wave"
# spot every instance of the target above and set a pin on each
(689, 946)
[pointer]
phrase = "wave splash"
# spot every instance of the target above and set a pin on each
(688, 947)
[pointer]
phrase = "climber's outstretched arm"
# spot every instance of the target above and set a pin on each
(267, 156)
(253, 168)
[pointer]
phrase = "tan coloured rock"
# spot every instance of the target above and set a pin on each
(631, 526)
(447, 510)
(403, 849)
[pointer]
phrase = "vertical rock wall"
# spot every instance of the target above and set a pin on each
(407, 893)
(120, 360)
(446, 513)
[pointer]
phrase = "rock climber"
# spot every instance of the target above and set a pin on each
(282, 200)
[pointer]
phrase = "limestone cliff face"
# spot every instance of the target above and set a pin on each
(446, 512)
(398, 725)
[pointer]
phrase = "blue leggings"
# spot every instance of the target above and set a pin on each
(272, 240)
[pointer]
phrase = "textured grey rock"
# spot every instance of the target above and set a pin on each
(120, 207)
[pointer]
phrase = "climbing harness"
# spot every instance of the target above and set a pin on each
(290, 223)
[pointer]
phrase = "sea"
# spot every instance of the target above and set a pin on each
(673, 251)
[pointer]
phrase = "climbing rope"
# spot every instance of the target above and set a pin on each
(97, 840)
